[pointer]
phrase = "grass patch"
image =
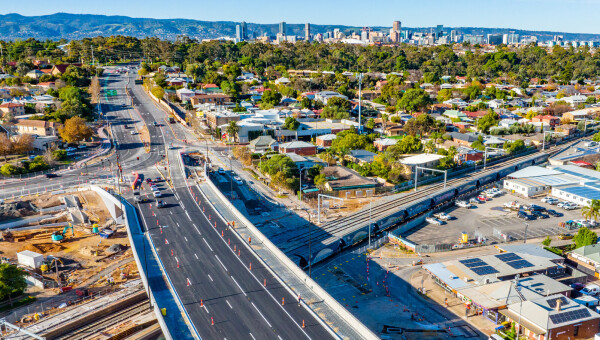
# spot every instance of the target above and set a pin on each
(254, 174)
(282, 196)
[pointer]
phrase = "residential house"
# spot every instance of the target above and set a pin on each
(455, 114)
(38, 127)
(305, 162)
(347, 183)
(383, 143)
(59, 69)
(495, 103)
(578, 115)
(263, 143)
(575, 100)
(370, 94)
(392, 130)
(465, 139)
(466, 154)
(361, 157)
(216, 98)
(325, 141)
(566, 129)
(475, 115)
(185, 94)
(422, 160)
(298, 147)
(324, 96)
(458, 102)
(34, 74)
(15, 109)
(282, 81)
(218, 118)
(547, 120)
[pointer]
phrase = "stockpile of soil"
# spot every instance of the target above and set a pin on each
(9, 211)
(43, 248)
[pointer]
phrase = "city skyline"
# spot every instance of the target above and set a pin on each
(577, 16)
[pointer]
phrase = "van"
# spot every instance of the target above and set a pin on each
(591, 289)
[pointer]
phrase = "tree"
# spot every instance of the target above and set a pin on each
(271, 97)
(421, 125)
(584, 237)
(243, 154)
(320, 180)
(6, 146)
(291, 124)
(486, 122)
(414, 100)
(370, 124)
(337, 108)
(12, 280)
(591, 211)
(443, 95)
(547, 241)
(232, 129)
(596, 137)
(514, 146)
(9, 170)
(94, 90)
(158, 92)
(23, 144)
(75, 130)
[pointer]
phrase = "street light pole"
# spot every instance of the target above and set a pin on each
(370, 215)
(525, 238)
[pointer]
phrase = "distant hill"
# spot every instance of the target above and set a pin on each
(76, 26)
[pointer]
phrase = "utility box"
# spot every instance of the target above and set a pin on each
(30, 259)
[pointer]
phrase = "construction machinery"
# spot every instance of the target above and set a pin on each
(50, 262)
(58, 236)
(464, 238)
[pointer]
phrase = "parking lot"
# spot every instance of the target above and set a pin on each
(491, 221)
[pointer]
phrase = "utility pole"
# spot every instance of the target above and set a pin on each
(360, 77)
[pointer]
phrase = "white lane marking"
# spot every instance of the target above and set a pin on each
(171, 212)
(261, 314)
(185, 239)
(178, 224)
(183, 206)
(204, 306)
(279, 337)
(238, 286)
(207, 244)
(210, 277)
(228, 304)
(221, 263)
(188, 215)
(252, 336)
(196, 256)
(176, 259)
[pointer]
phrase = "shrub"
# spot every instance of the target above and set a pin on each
(9, 170)
(59, 154)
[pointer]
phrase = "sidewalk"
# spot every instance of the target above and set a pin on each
(330, 316)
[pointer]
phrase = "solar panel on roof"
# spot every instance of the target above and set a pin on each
(506, 257)
(476, 263)
(570, 316)
(520, 264)
(552, 303)
(485, 270)
(469, 260)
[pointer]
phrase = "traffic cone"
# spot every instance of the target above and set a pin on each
(171, 252)
(201, 303)
(303, 324)
(250, 268)
(222, 234)
(265, 283)
(239, 252)
(212, 321)
(283, 301)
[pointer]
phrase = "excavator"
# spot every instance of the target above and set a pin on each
(49, 263)
(58, 236)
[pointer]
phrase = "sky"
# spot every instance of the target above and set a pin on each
(575, 16)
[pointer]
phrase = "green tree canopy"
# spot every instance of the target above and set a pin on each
(584, 237)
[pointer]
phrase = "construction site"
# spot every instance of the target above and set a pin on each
(82, 279)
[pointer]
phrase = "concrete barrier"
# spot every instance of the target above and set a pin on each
(351, 320)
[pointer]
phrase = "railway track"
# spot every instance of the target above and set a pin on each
(331, 231)
(86, 331)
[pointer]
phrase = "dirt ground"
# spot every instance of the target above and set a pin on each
(87, 253)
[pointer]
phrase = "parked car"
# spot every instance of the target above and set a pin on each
(140, 199)
(534, 207)
(157, 194)
(566, 236)
(562, 204)
(474, 201)
(512, 205)
(523, 215)
(554, 213)
(590, 289)
(157, 180)
(463, 204)
(483, 198)
(539, 215)
(238, 179)
(51, 175)
(433, 220)
(550, 200)
(442, 216)
(570, 206)
(155, 123)
(577, 285)
(132, 132)
(154, 188)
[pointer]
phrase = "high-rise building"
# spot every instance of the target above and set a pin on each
(453, 35)
(494, 39)
(244, 29)
(365, 33)
(511, 38)
(238, 33)
(396, 32)
(439, 30)
(282, 28)
(307, 31)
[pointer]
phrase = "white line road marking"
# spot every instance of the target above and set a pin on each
(238, 286)
(261, 314)
(171, 212)
(196, 256)
(207, 244)
(183, 206)
(178, 224)
(252, 336)
(204, 306)
(210, 277)
(279, 337)
(223, 265)
(176, 259)
(185, 239)
(228, 304)
(188, 215)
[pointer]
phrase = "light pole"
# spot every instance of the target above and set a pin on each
(525, 238)
(360, 78)
(485, 154)
(370, 215)
(544, 138)
(319, 204)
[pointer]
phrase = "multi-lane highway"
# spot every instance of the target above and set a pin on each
(225, 290)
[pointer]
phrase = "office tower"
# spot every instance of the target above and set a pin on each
(238, 33)
(453, 35)
(307, 31)
(244, 30)
(494, 39)
(396, 32)
(282, 28)
(439, 30)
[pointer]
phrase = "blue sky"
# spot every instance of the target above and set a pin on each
(577, 16)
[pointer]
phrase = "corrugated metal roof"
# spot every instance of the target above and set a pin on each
(586, 192)
(534, 171)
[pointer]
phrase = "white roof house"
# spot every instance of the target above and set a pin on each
(424, 160)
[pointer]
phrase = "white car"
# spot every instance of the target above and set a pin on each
(132, 132)
(237, 179)
(154, 188)
(433, 220)
(549, 200)
(157, 194)
(442, 216)
(562, 204)
(570, 206)
(463, 204)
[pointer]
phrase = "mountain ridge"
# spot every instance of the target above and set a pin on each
(76, 26)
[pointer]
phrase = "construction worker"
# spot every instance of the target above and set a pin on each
(249, 240)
